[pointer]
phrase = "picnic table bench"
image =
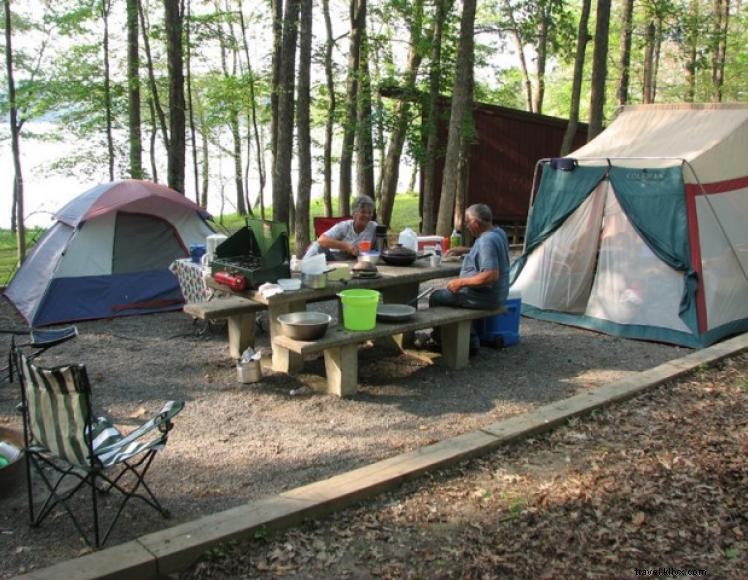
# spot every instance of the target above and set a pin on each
(340, 346)
(239, 314)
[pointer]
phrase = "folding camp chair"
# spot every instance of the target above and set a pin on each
(39, 339)
(69, 449)
(322, 224)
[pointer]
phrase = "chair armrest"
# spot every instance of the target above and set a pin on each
(167, 412)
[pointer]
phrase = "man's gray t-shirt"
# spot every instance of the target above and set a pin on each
(490, 252)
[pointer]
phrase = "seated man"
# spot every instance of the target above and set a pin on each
(484, 277)
(341, 241)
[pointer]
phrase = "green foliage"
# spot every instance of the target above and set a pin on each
(8, 255)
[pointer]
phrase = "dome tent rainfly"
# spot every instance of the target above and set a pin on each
(108, 254)
(644, 235)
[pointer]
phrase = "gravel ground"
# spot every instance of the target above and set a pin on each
(235, 443)
(655, 486)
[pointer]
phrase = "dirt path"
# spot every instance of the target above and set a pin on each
(656, 483)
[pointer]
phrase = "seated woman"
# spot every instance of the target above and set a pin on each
(341, 241)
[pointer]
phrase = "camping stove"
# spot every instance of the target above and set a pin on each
(259, 252)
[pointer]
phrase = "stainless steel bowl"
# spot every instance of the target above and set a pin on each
(304, 325)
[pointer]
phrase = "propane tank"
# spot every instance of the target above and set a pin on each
(233, 281)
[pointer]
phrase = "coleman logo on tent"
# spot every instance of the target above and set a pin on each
(644, 175)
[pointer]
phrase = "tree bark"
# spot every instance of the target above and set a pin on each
(331, 105)
(304, 190)
(15, 135)
(622, 94)
(460, 114)
(576, 88)
(352, 86)
(105, 9)
(648, 78)
(719, 47)
(519, 44)
(133, 92)
(154, 132)
(691, 49)
(599, 69)
(391, 167)
(176, 151)
(542, 52)
(188, 66)
(428, 223)
(275, 68)
(364, 145)
(155, 100)
(282, 186)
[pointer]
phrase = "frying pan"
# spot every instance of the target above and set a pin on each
(400, 312)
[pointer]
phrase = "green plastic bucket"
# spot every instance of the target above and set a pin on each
(359, 308)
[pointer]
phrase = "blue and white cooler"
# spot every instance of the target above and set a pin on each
(503, 329)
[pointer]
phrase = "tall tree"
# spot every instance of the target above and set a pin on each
(133, 91)
(282, 185)
(721, 15)
(364, 144)
(105, 10)
(599, 69)
(519, 42)
(15, 136)
(622, 95)
(176, 152)
(649, 64)
(331, 105)
(460, 119)
(432, 119)
(391, 166)
(304, 190)
(154, 100)
(190, 100)
(358, 24)
(583, 38)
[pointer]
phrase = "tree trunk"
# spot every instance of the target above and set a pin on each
(648, 82)
(105, 9)
(719, 47)
(692, 39)
(275, 68)
(519, 45)
(193, 136)
(576, 88)
(253, 108)
(460, 114)
(176, 151)
(428, 222)
(304, 190)
(599, 69)
(331, 104)
(542, 51)
(352, 86)
(364, 146)
(282, 186)
(15, 135)
(155, 101)
(133, 91)
(622, 95)
(391, 167)
(205, 185)
(154, 132)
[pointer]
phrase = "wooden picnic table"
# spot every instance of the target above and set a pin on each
(398, 284)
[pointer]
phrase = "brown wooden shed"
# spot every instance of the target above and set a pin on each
(502, 160)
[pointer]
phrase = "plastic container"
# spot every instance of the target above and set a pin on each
(503, 329)
(455, 240)
(359, 308)
(408, 239)
(211, 243)
(426, 242)
(249, 372)
(197, 251)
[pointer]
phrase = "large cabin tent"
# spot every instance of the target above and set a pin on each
(643, 232)
(108, 254)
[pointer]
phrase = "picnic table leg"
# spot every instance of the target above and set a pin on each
(341, 368)
(456, 343)
(399, 295)
(284, 362)
(241, 333)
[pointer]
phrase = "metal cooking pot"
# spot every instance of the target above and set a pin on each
(304, 325)
(398, 255)
(314, 281)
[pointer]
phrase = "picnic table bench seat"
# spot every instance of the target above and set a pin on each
(239, 314)
(340, 346)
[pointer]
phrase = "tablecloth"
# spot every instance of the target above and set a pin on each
(191, 281)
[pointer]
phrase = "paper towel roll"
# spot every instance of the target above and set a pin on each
(211, 242)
